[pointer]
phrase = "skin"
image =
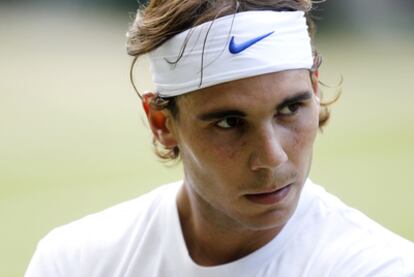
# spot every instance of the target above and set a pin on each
(237, 139)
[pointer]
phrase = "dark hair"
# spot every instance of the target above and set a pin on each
(160, 20)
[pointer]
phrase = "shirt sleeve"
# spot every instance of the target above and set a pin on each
(55, 256)
(42, 263)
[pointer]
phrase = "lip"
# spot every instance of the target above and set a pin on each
(269, 197)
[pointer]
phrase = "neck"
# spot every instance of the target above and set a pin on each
(213, 241)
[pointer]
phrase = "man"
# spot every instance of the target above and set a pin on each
(237, 100)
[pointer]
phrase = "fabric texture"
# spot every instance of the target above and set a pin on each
(143, 237)
(232, 47)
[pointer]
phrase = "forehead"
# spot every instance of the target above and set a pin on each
(260, 91)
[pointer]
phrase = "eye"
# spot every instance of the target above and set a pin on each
(290, 109)
(229, 122)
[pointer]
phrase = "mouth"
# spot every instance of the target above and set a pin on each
(270, 197)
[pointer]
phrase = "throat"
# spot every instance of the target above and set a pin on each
(209, 243)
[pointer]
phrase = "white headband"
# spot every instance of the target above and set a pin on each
(237, 46)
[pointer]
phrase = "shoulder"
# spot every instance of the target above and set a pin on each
(114, 222)
(352, 242)
(105, 234)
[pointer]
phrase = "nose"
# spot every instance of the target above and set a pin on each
(268, 151)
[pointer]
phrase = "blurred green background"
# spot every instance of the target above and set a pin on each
(73, 139)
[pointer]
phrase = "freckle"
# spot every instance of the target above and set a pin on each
(297, 141)
(232, 154)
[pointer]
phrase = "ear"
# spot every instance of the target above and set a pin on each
(159, 121)
(315, 84)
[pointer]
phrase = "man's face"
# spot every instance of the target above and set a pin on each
(247, 146)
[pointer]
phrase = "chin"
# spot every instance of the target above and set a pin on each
(275, 216)
(273, 219)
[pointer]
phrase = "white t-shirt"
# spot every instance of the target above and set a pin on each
(143, 237)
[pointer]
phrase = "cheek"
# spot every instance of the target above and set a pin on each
(218, 148)
(207, 154)
(303, 136)
(216, 165)
(228, 152)
(210, 170)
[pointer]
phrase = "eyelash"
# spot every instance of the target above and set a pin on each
(296, 105)
(238, 123)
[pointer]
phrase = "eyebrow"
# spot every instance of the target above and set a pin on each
(220, 114)
(223, 113)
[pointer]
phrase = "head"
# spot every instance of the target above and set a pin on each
(238, 140)
(161, 20)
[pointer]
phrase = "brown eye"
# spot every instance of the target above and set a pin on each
(290, 109)
(229, 122)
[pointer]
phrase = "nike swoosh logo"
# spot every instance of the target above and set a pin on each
(236, 48)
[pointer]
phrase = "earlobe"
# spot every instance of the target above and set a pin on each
(159, 122)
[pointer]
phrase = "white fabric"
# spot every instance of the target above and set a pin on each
(288, 47)
(143, 237)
